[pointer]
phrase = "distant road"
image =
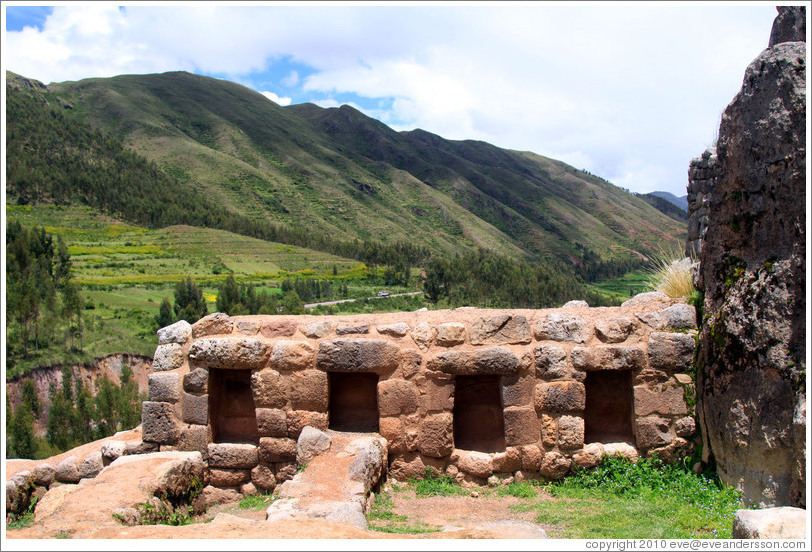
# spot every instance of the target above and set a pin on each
(311, 305)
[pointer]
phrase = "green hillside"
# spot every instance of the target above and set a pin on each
(338, 172)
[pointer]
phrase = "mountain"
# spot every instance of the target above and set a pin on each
(668, 204)
(681, 202)
(336, 174)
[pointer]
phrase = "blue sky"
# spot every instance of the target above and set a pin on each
(628, 91)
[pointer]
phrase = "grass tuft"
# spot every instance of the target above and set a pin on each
(519, 489)
(672, 274)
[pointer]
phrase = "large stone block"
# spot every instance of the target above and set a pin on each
(213, 324)
(560, 396)
(164, 387)
(308, 390)
(67, 470)
(396, 397)
(167, 357)
(179, 332)
(439, 395)
(237, 353)
(450, 334)
(783, 522)
(554, 465)
(293, 355)
(502, 328)
(392, 430)
(685, 427)
(653, 432)
(263, 478)
(570, 432)
(195, 409)
(660, 399)
(615, 330)
(484, 362)
(531, 458)
(228, 477)
(233, 455)
(559, 326)
(273, 449)
(508, 461)
(272, 422)
(269, 388)
(671, 352)
(196, 381)
(475, 463)
(608, 357)
(517, 390)
(358, 355)
(551, 361)
(298, 419)
(247, 327)
(91, 465)
(436, 435)
(158, 423)
(194, 437)
(406, 466)
(589, 457)
(521, 425)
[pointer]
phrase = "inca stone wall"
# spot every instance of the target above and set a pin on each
(752, 363)
(539, 386)
(702, 176)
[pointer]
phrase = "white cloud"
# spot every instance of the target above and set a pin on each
(276, 99)
(630, 91)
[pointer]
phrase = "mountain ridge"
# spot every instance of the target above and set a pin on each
(340, 172)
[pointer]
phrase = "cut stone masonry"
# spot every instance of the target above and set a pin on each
(477, 394)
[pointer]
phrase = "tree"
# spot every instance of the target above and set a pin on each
(164, 317)
(21, 433)
(292, 303)
(189, 302)
(228, 296)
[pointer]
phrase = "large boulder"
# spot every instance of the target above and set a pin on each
(752, 358)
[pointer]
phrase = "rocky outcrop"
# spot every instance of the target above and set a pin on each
(751, 373)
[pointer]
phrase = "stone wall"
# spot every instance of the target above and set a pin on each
(542, 362)
(751, 376)
(702, 176)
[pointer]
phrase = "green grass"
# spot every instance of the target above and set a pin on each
(647, 499)
(438, 485)
(624, 287)
(256, 502)
(519, 489)
(125, 271)
(382, 519)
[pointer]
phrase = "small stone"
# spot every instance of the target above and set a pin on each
(395, 330)
(423, 335)
(499, 329)
(559, 326)
(346, 328)
(179, 332)
(311, 443)
(292, 355)
(474, 494)
(164, 387)
(196, 381)
(450, 334)
(212, 324)
(167, 357)
(317, 330)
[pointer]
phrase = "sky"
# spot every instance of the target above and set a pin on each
(630, 92)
